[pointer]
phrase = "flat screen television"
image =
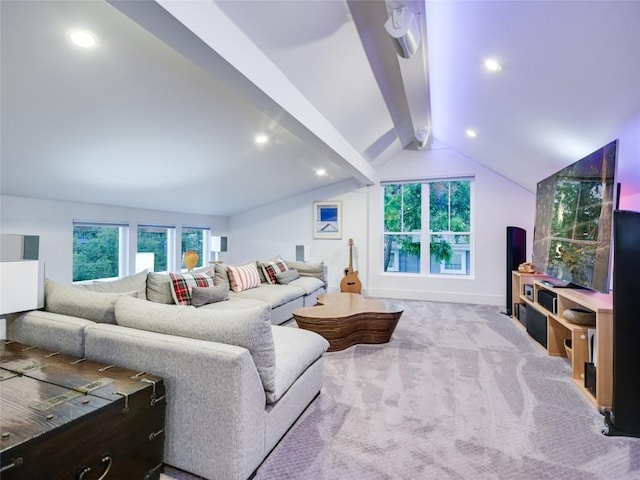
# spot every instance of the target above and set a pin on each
(574, 217)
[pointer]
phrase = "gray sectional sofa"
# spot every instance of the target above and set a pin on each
(235, 381)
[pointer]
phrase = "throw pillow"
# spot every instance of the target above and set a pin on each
(243, 277)
(283, 278)
(159, 288)
(180, 283)
(131, 283)
(205, 295)
(306, 269)
(79, 302)
(272, 268)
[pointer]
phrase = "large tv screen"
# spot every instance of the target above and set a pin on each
(574, 214)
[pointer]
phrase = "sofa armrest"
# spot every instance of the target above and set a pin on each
(215, 417)
(51, 331)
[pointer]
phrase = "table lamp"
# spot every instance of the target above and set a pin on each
(21, 286)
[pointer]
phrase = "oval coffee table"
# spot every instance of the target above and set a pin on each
(346, 319)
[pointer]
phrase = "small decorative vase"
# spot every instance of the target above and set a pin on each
(190, 259)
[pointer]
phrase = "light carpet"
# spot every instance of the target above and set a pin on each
(460, 392)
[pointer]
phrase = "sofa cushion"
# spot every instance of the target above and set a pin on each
(82, 303)
(221, 276)
(159, 288)
(274, 295)
(272, 268)
(286, 277)
(181, 283)
(233, 303)
(205, 295)
(248, 327)
(306, 269)
(132, 283)
(308, 284)
(48, 330)
(296, 350)
(243, 277)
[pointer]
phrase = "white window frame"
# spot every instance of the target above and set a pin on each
(171, 243)
(206, 245)
(123, 247)
(425, 233)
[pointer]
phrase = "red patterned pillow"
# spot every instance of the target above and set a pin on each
(243, 277)
(272, 268)
(181, 283)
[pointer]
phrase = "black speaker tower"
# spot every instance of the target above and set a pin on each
(516, 254)
(624, 417)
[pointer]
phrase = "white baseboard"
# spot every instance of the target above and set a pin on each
(453, 297)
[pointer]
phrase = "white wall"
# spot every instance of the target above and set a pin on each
(53, 220)
(497, 203)
(276, 229)
(628, 168)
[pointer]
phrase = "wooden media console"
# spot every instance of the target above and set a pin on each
(559, 330)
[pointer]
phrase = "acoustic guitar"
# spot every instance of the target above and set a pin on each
(350, 283)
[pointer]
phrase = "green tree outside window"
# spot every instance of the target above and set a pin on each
(95, 252)
(448, 220)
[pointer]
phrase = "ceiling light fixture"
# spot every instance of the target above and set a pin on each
(321, 172)
(492, 65)
(262, 139)
(471, 133)
(83, 38)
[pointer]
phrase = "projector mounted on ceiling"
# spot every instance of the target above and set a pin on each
(404, 31)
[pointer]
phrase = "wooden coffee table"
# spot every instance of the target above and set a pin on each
(346, 319)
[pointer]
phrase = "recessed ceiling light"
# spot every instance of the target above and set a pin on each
(492, 65)
(471, 133)
(320, 172)
(83, 38)
(261, 139)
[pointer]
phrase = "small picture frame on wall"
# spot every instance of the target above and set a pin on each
(327, 220)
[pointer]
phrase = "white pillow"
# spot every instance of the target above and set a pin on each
(243, 277)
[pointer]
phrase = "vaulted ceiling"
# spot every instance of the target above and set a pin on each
(163, 113)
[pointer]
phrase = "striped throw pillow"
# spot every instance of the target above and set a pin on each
(181, 284)
(243, 277)
(272, 268)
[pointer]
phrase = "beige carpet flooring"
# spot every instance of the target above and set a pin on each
(460, 392)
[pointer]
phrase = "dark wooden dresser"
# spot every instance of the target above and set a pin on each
(69, 418)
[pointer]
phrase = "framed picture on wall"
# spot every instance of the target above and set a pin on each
(327, 220)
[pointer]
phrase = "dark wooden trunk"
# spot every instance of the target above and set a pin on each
(62, 416)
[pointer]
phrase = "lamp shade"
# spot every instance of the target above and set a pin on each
(21, 286)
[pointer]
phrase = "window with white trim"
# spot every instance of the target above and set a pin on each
(199, 240)
(156, 248)
(99, 250)
(433, 213)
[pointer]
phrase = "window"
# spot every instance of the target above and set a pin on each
(197, 239)
(435, 213)
(156, 247)
(99, 251)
